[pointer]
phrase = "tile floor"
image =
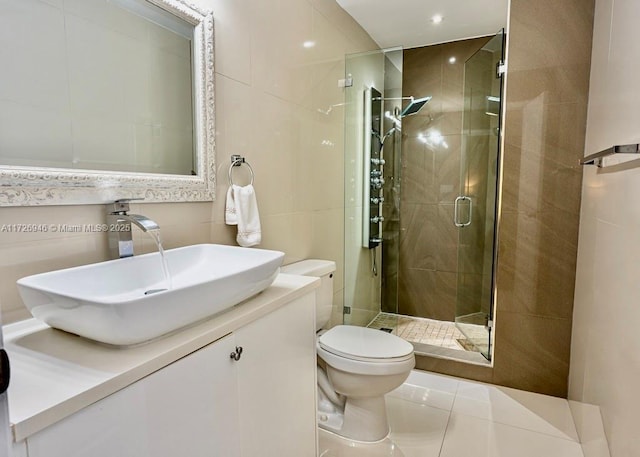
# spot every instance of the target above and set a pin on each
(439, 416)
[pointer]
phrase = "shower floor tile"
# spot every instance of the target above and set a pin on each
(426, 331)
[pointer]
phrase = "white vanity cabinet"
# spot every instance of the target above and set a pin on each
(184, 409)
(207, 403)
(277, 383)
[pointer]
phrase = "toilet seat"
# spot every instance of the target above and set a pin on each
(362, 350)
(365, 344)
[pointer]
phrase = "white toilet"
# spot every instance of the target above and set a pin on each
(357, 366)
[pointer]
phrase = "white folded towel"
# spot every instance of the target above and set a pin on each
(242, 210)
(230, 216)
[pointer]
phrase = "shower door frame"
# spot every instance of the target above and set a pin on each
(500, 72)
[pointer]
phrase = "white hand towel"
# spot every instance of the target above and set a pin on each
(247, 215)
(230, 216)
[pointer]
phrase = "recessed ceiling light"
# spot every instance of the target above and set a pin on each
(437, 19)
(309, 44)
(452, 60)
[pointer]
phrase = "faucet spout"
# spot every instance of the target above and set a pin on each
(142, 222)
(119, 222)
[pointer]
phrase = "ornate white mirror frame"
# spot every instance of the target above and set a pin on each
(33, 186)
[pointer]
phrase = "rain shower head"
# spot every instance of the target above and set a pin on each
(414, 106)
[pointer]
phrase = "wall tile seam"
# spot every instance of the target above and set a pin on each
(314, 10)
(540, 316)
(551, 150)
(527, 314)
(539, 215)
(577, 154)
(297, 104)
(510, 276)
(568, 239)
(306, 211)
(546, 141)
(348, 36)
(230, 78)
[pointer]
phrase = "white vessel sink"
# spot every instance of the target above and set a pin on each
(106, 301)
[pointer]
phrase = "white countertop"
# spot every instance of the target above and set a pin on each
(55, 374)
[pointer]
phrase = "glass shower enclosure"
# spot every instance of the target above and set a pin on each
(395, 258)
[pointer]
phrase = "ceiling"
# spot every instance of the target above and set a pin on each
(408, 23)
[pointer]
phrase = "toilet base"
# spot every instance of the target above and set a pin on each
(331, 421)
(334, 445)
(363, 419)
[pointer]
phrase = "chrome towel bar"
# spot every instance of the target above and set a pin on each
(597, 158)
(236, 161)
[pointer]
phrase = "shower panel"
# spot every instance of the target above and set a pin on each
(373, 166)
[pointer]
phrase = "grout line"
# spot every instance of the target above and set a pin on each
(516, 427)
(446, 431)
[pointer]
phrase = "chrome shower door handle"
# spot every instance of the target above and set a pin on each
(455, 211)
(470, 212)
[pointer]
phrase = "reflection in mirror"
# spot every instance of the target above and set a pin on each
(113, 96)
(430, 279)
(116, 94)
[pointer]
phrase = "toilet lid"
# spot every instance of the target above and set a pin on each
(364, 343)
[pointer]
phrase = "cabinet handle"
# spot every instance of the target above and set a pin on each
(235, 355)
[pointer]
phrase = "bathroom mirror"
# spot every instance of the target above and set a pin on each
(105, 99)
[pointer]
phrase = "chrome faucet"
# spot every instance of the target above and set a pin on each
(119, 228)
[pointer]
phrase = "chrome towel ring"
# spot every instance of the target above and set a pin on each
(236, 161)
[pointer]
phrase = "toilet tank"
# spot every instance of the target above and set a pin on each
(323, 269)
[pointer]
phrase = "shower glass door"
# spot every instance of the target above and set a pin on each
(475, 208)
(371, 289)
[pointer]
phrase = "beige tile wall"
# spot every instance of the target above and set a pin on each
(428, 263)
(605, 350)
(549, 55)
(269, 90)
